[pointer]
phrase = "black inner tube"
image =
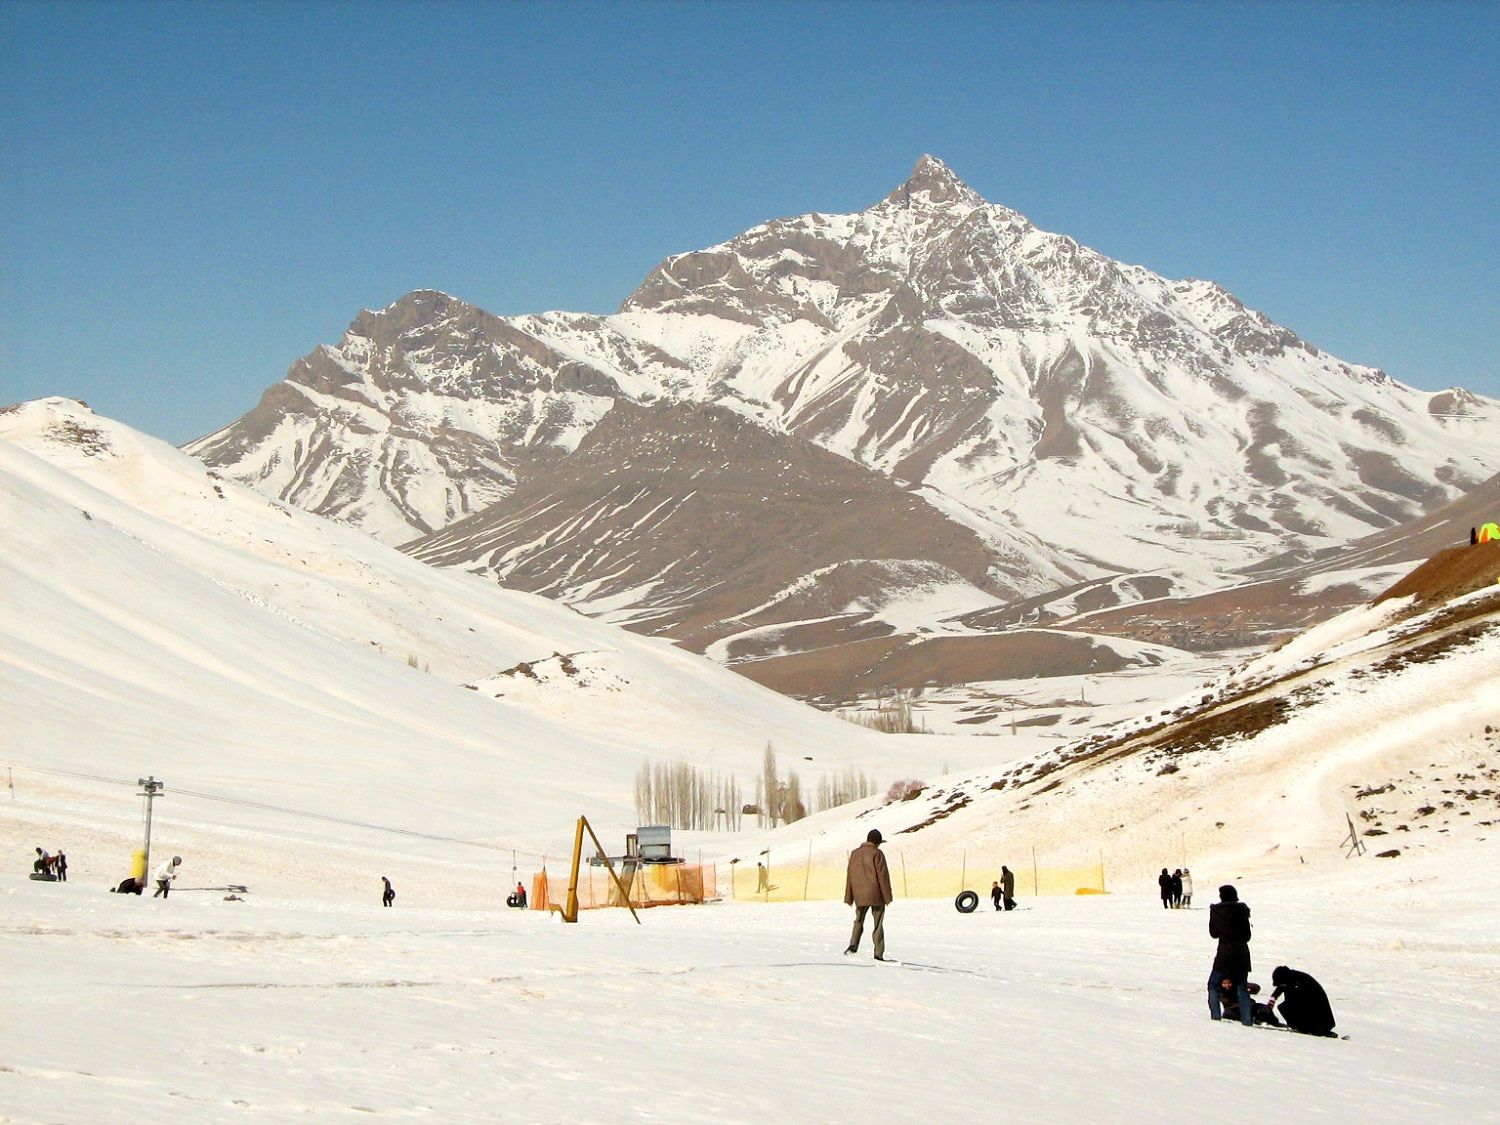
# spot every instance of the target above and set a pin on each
(966, 902)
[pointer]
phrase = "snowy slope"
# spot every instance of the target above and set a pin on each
(157, 619)
(1387, 714)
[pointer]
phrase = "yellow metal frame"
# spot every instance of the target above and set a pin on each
(570, 911)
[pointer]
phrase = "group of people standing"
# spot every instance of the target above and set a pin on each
(50, 867)
(1176, 888)
(1304, 1004)
(1003, 890)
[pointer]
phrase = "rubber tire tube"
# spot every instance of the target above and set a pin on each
(966, 903)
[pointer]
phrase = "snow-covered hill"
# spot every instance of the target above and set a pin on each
(1388, 715)
(156, 618)
(1087, 420)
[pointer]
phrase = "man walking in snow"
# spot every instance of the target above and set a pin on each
(388, 896)
(1008, 886)
(867, 888)
(1229, 921)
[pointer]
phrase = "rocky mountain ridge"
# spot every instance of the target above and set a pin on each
(1087, 420)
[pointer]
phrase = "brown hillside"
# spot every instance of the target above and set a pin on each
(887, 664)
(1449, 574)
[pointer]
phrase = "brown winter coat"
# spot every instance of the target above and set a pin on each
(869, 879)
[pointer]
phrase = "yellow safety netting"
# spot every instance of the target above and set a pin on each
(798, 882)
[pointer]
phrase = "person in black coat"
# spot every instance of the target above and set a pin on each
(1304, 1004)
(389, 894)
(1164, 881)
(997, 896)
(1177, 889)
(1229, 921)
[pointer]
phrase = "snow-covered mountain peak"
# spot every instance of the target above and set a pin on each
(932, 183)
(420, 308)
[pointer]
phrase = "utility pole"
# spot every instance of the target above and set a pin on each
(150, 787)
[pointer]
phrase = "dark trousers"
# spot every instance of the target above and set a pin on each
(388, 898)
(163, 888)
(1241, 994)
(877, 913)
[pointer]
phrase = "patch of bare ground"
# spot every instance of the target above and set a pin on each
(1435, 801)
(824, 674)
(1447, 575)
(897, 663)
(956, 801)
(1436, 648)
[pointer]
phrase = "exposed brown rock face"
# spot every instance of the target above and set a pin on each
(695, 517)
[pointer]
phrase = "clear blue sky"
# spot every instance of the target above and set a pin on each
(194, 195)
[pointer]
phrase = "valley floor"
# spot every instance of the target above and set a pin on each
(196, 1008)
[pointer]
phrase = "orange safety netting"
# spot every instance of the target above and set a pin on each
(652, 884)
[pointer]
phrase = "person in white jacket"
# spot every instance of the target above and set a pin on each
(165, 876)
(1187, 887)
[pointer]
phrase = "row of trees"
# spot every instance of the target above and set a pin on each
(893, 716)
(684, 796)
(689, 797)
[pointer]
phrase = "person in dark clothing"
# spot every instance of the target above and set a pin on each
(996, 894)
(390, 892)
(43, 864)
(1229, 921)
(1304, 1004)
(1008, 887)
(60, 865)
(1261, 1013)
(130, 886)
(1164, 881)
(1177, 889)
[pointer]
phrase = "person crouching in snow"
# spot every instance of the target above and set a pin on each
(1304, 1004)
(165, 876)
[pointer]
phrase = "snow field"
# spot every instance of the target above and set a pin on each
(1068, 1009)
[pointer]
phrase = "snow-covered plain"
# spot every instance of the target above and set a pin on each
(1092, 1009)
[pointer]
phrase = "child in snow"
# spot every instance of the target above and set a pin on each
(165, 877)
